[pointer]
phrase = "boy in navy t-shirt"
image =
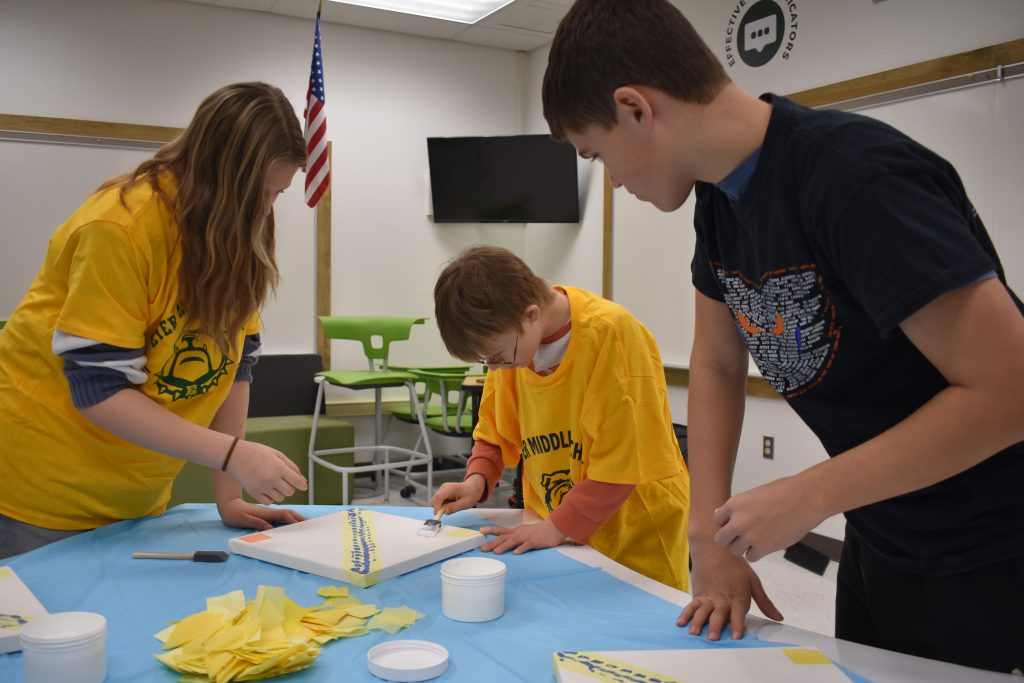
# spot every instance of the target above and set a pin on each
(848, 261)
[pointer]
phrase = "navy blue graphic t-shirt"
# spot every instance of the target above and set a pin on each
(846, 228)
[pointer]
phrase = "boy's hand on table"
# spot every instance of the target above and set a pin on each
(456, 496)
(243, 515)
(723, 586)
(522, 538)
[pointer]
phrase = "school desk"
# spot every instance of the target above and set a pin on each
(569, 598)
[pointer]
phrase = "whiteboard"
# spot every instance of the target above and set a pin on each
(44, 183)
(977, 130)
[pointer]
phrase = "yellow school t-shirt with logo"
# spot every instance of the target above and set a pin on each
(602, 415)
(110, 275)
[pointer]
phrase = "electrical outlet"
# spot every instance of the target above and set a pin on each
(768, 450)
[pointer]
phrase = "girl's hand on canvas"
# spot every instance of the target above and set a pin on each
(244, 515)
(522, 538)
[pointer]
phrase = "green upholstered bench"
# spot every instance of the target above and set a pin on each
(290, 435)
(281, 401)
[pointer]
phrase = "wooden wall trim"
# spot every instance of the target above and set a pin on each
(958, 64)
(45, 125)
(608, 238)
(756, 386)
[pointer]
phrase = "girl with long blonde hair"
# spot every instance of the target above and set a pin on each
(132, 351)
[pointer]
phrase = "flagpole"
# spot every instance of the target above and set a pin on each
(318, 188)
(322, 225)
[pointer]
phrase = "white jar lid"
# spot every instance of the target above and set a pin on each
(473, 568)
(63, 627)
(407, 660)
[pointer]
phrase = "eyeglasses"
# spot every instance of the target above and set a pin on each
(503, 363)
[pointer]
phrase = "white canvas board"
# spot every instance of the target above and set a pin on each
(357, 546)
(761, 664)
(18, 606)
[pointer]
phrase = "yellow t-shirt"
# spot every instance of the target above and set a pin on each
(602, 415)
(110, 275)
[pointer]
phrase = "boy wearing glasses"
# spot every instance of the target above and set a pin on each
(578, 394)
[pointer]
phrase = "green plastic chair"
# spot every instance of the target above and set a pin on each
(406, 412)
(376, 334)
(442, 388)
(454, 418)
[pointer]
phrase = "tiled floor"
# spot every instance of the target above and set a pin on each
(805, 599)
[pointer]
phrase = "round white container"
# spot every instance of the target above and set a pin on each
(407, 661)
(473, 589)
(66, 646)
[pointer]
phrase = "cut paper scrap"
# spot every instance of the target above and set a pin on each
(333, 591)
(393, 619)
(18, 606)
(358, 546)
(805, 655)
(236, 639)
(705, 665)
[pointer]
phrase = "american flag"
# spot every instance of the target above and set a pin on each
(318, 168)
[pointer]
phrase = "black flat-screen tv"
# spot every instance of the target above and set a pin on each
(503, 179)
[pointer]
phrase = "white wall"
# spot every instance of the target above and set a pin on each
(570, 254)
(152, 61)
(836, 40)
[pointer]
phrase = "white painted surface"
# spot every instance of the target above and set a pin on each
(318, 546)
(764, 664)
(17, 604)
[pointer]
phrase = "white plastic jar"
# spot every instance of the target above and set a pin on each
(66, 646)
(473, 589)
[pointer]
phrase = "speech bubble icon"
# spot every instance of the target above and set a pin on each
(760, 33)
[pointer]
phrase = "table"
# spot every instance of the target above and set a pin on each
(569, 598)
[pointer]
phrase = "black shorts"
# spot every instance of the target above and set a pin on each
(973, 618)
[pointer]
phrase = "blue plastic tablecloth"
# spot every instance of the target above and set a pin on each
(552, 602)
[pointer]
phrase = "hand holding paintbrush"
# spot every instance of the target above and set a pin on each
(431, 527)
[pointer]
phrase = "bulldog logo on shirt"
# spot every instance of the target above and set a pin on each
(191, 370)
(788, 323)
(556, 484)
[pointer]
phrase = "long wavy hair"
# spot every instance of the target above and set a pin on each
(219, 164)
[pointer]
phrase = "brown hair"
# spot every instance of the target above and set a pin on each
(482, 293)
(602, 45)
(219, 164)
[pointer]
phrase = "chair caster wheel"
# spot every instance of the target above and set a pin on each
(407, 491)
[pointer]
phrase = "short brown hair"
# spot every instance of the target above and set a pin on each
(482, 293)
(602, 45)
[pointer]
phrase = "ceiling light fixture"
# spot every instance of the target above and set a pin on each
(462, 11)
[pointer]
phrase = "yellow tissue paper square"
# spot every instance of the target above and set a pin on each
(363, 611)
(239, 640)
(394, 619)
(802, 655)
